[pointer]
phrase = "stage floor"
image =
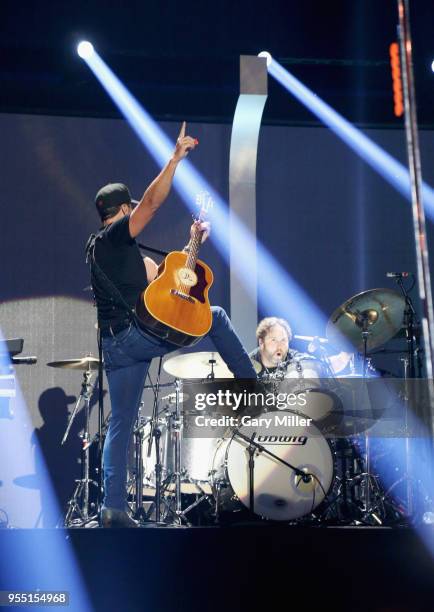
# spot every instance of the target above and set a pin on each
(270, 567)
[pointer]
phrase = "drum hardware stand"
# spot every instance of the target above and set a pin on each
(211, 375)
(364, 319)
(176, 428)
(251, 450)
(138, 435)
(199, 499)
(82, 488)
(410, 361)
(155, 433)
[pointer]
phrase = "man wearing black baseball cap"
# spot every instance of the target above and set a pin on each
(118, 277)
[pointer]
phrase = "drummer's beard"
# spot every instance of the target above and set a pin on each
(276, 358)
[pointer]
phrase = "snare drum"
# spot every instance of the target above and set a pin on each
(279, 494)
(306, 368)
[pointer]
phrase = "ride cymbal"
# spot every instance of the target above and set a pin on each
(378, 311)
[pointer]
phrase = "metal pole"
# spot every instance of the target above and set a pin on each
(242, 187)
(177, 427)
(423, 271)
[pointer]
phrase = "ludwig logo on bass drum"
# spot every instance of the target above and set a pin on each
(294, 440)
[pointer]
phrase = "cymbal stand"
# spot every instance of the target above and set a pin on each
(409, 362)
(154, 434)
(369, 480)
(82, 488)
(176, 423)
(138, 443)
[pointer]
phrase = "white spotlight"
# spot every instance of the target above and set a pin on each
(432, 66)
(267, 56)
(85, 49)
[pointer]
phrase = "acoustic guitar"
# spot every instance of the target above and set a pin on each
(175, 306)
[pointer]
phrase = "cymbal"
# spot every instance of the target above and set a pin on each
(81, 363)
(197, 365)
(382, 310)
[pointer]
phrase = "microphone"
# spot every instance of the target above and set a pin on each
(398, 274)
(28, 360)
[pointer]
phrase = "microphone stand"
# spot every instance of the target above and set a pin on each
(306, 477)
(410, 320)
(251, 450)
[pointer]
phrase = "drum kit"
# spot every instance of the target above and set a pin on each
(302, 473)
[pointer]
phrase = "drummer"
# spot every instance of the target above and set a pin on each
(273, 355)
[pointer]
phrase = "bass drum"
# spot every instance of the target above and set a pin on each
(279, 494)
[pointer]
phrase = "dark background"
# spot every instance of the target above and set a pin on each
(181, 58)
(331, 222)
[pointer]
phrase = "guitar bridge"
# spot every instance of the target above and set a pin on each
(184, 296)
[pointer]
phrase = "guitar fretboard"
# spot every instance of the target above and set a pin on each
(194, 250)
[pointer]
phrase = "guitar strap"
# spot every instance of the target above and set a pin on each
(99, 279)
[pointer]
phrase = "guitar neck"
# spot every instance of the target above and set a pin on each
(193, 250)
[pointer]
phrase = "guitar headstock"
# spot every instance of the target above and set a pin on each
(205, 203)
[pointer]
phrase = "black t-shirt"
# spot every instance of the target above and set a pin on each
(118, 255)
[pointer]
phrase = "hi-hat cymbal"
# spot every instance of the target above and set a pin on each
(197, 365)
(380, 311)
(81, 363)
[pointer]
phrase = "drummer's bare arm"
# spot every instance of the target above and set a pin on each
(151, 269)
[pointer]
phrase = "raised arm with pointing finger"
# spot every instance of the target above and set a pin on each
(159, 189)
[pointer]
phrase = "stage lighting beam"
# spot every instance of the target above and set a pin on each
(267, 56)
(382, 162)
(85, 49)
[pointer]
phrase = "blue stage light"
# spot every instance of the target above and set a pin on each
(267, 56)
(85, 49)
(381, 161)
(25, 480)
